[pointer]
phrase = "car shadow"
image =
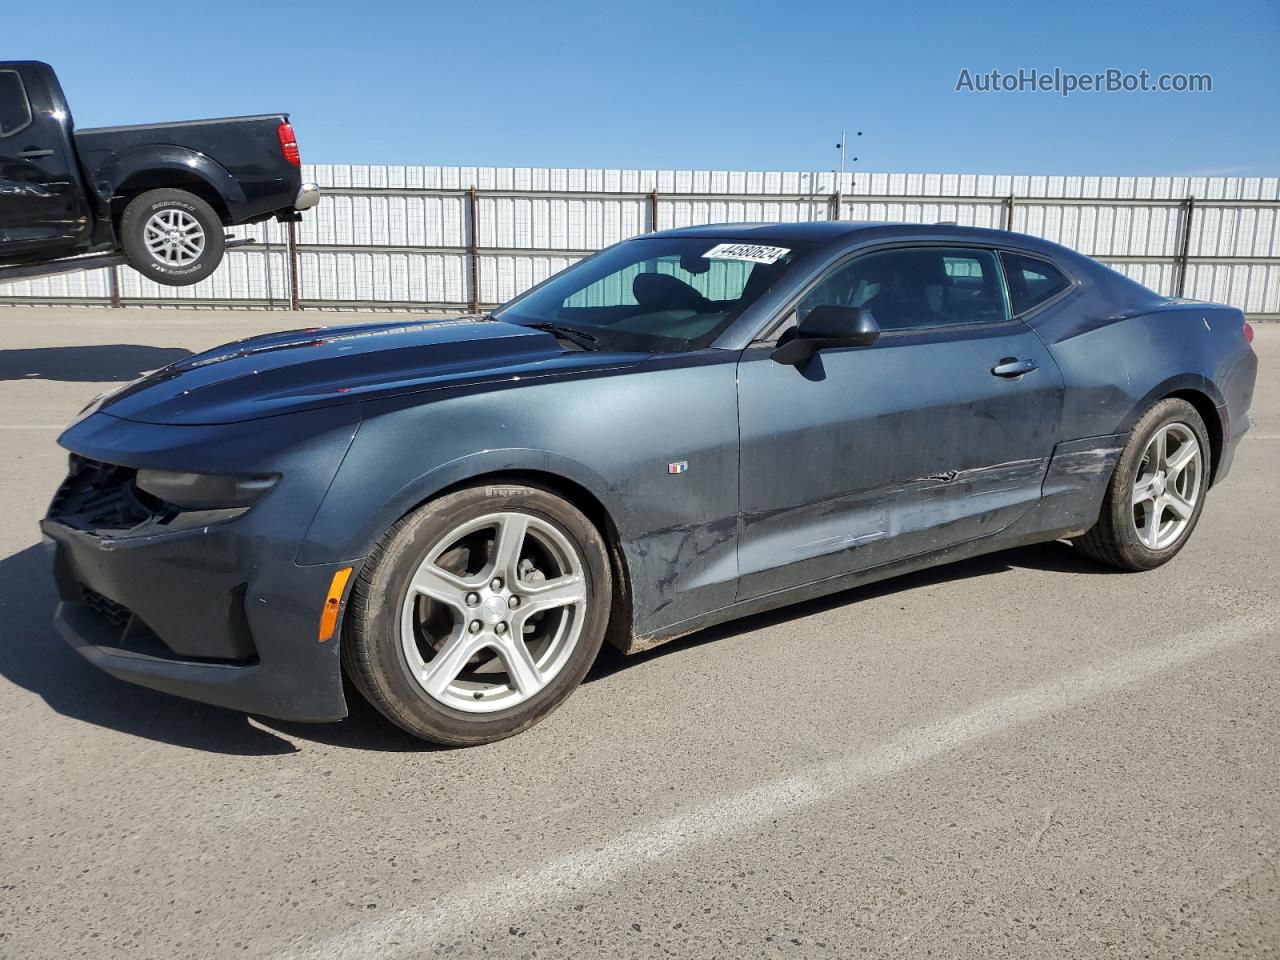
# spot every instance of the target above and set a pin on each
(35, 658)
(88, 364)
(1055, 557)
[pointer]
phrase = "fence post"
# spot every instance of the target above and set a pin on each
(1008, 212)
(266, 243)
(295, 301)
(113, 278)
(653, 210)
(837, 200)
(1189, 213)
(473, 247)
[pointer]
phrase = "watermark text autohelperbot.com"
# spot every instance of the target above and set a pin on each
(1065, 83)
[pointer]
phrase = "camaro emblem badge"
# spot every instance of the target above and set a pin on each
(679, 466)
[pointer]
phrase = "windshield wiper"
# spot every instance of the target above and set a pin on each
(579, 337)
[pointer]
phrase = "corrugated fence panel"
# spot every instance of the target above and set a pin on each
(1160, 277)
(502, 277)
(430, 279)
(401, 235)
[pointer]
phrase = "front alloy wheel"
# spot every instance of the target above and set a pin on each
(478, 614)
(493, 612)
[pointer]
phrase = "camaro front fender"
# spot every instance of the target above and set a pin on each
(333, 537)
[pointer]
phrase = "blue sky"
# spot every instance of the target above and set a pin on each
(717, 85)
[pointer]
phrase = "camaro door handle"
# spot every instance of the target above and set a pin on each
(32, 154)
(1011, 367)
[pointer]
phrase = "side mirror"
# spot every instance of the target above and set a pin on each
(828, 326)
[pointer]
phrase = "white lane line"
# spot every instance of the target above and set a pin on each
(490, 904)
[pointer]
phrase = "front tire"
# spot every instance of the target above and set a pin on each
(1157, 492)
(478, 614)
(172, 237)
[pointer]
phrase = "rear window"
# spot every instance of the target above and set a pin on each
(15, 110)
(1031, 280)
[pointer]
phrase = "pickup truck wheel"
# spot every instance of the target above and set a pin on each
(478, 614)
(172, 236)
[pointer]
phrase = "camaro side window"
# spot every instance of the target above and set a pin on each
(917, 288)
(1032, 281)
(15, 111)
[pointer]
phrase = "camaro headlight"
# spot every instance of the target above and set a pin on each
(205, 491)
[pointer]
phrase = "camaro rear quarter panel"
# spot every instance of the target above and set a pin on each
(1115, 367)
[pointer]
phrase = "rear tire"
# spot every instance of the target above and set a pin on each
(478, 614)
(1157, 492)
(172, 237)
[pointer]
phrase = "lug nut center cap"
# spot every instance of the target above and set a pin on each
(493, 610)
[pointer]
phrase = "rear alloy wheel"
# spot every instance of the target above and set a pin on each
(172, 237)
(1168, 486)
(1157, 492)
(479, 614)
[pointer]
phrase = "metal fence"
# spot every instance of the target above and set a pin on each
(463, 238)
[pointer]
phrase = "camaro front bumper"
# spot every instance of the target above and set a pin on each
(250, 645)
(212, 606)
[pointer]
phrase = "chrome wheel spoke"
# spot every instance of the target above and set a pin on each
(550, 594)
(450, 660)
(439, 584)
(1151, 531)
(520, 666)
(1155, 450)
(509, 540)
(1183, 456)
(1179, 506)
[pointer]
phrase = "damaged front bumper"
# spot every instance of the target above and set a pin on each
(226, 637)
(210, 605)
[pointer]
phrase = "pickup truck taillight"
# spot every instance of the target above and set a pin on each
(289, 144)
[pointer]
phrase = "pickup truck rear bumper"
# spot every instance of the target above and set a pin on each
(308, 197)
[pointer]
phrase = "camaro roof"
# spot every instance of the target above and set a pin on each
(847, 231)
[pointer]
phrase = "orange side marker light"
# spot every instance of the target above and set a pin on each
(332, 601)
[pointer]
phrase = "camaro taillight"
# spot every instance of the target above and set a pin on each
(1248, 332)
(289, 144)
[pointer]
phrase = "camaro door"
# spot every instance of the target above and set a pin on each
(939, 432)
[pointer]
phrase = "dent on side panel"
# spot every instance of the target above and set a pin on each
(1076, 482)
(615, 435)
(915, 517)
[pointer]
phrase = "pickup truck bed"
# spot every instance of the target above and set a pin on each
(161, 193)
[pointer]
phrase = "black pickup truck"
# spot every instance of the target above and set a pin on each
(160, 193)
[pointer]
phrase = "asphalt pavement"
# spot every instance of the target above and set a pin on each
(1022, 755)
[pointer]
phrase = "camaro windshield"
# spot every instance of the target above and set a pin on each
(660, 294)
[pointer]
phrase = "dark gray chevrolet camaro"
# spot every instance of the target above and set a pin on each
(687, 427)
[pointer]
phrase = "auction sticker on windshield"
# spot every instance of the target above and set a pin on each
(751, 252)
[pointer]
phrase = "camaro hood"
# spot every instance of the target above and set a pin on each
(303, 369)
